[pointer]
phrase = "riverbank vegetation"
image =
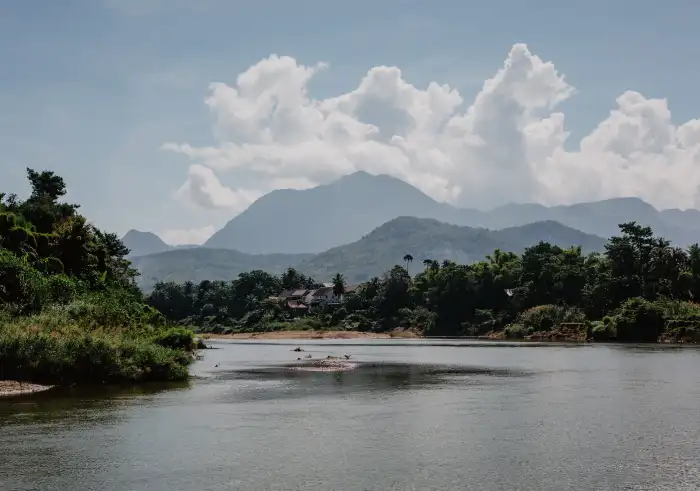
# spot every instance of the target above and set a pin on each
(69, 308)
(641, 289)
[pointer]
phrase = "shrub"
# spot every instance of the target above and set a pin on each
(679, 310)
(639, 321)
(71, 355)
(177, 338)
(545, 317)
(514, 331)
(603, 331)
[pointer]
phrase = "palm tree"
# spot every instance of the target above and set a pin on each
(338, 285)
(431, 264)
(407, 259)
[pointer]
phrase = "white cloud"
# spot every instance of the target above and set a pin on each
(188, 235)
(506, 146)
(181, 236)
(203, 188)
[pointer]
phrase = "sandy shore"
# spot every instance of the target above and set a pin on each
(313, 335)
(13, 388)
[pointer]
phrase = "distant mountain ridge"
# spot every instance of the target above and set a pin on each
(199, 264)
(427, 238)
(143, 243)
(370, 256)
(317, 219)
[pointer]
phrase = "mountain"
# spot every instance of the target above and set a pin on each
(374, 254)
(327, 216)
(430, 239)
(143, 243)
(603, 217)
(199, 264)
(314, 220)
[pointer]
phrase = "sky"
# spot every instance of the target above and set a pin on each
(172, 116)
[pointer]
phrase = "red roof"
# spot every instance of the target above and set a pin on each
(295, 304)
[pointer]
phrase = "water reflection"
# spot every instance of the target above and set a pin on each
(410, 416)
(92, 404)
(286, 382)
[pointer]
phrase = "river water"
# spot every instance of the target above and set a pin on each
(415, 415)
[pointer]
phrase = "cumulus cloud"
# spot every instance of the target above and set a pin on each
(194, 236)
(203, 188)
(508, 145)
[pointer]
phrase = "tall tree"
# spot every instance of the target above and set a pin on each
(338, 285)
(408, 259)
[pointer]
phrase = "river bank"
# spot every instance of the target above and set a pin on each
(405, 334)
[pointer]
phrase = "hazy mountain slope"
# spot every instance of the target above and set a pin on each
(327, 216)
(430, 239)
(552, 232)
(199, 264)
(317, 219)
(599, 217)
(142, 243)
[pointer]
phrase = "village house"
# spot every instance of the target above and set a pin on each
(352, 288)
(322, 295)
(303, 299)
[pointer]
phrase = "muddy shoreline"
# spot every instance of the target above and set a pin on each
(15, 388)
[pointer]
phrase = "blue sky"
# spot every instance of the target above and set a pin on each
(93, 89)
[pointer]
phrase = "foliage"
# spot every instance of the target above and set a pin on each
(70, 311)
(639, 290)
(639, 321)
(70, 354)
(546, 317)
(176, 338)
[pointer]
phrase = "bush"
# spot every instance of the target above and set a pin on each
(603, 331)
(639, 321)
(177, 338)
(514, 331)
(679, 310)
(71, 355)
(545, 317)
(23, 289)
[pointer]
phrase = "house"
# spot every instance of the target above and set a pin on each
(309, 297)
(297, 308)
(353, 288)
(296, 305)
(292, 294)
(326, 295)
(284, 294)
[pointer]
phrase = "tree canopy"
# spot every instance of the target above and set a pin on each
(639, 279)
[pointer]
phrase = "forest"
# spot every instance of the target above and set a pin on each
(640, 289)
(70, 312)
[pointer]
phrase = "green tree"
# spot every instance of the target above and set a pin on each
(338, 285)
(408, 259)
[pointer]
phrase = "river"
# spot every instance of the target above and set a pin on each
(415, 415)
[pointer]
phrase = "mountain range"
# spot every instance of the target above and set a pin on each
(144, 243)
(426, 238)
(372, 255)
(361, 225)
(317, 219)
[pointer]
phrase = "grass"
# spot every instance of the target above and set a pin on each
(51, 349)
